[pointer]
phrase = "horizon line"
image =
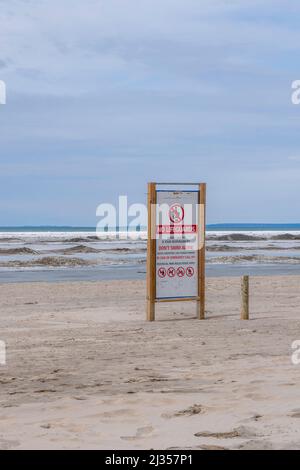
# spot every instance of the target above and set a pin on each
(94, 227)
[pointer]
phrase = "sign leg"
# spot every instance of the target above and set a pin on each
(150, 310)
(151, 252)
(201, 255)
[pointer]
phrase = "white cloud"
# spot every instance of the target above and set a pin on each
(69, 46)
(148, 82)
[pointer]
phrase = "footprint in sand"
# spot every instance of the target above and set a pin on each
(46, 426)
(295, 413)
(191, 411)
(145, 431)
(202, 447)
(211, 447)
(128, 412)
(218, 435)
(6, 444)
(254, 417)
(241, 431)
(255, 444)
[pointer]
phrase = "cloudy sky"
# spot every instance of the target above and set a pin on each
(105, 95)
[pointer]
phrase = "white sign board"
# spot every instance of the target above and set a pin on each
(177, 235)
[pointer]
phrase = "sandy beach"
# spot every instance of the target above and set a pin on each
(85, 371)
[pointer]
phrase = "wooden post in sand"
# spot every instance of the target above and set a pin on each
(151, 252)
(245, 298)
(201, 251)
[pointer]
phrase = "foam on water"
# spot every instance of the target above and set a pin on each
(79, 252)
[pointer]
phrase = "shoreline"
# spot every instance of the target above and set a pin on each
(124, 273)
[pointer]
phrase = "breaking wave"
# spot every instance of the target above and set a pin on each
(254, 259)
(287, 236)
(18, 251)
(235, 237)
(221, 248)
(77, 249)
(54, 261)
(239, 236)
(91, 238)
(87, 249)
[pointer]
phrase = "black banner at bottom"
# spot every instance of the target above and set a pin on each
(139, 459)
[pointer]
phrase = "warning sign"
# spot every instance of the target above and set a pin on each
(162, 272)
(176, 244)
(190, 271)
(171, 272)
(176, 213)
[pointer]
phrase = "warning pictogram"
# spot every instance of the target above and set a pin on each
(176, 213)
(162, 272)
(180, 271)
(171, 272)
(189, 271)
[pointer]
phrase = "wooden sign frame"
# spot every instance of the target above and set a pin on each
(151, 250)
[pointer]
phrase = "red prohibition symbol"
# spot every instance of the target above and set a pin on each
(176, 213)
(162, 272)
(171, 272)
(180, 271)
(189, 271)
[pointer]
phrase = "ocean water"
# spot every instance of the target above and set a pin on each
(253, 227)
(78, 253)
(210, 227)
